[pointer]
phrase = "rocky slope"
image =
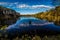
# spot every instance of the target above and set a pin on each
(8, 16)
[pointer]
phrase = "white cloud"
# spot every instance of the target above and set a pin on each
(16, 2)
(41, 6)
(33, 6)
(3, 3)
(8, 3)
(22, 6)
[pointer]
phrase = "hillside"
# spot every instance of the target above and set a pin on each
(52, 15)
(7, 16)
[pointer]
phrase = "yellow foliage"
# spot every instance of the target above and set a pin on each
(3, 27)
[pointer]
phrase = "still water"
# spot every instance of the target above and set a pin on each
(32, 23)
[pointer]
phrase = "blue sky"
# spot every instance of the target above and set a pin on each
(29, 6)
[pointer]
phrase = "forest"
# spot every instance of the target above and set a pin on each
(52, 15)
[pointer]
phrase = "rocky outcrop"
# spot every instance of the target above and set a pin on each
(8, 16)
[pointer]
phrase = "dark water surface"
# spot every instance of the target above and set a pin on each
(29, 23)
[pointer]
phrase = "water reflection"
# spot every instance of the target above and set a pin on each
(33, 23)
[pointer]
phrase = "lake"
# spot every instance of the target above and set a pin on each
(32, 23)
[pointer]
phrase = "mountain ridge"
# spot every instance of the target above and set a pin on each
(8, 16)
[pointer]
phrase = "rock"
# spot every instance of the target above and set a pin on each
(8, 16)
